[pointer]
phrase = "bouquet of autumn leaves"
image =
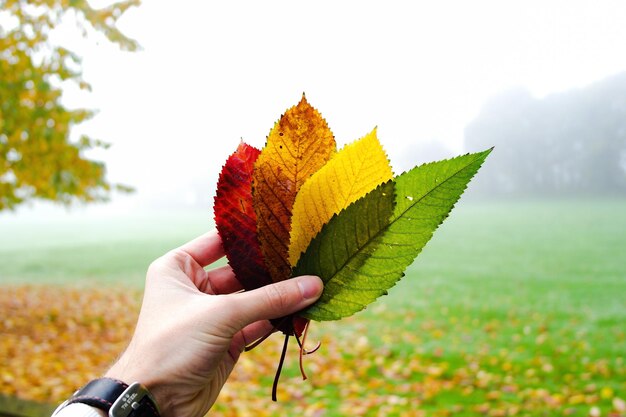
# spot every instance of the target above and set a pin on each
(300, 207)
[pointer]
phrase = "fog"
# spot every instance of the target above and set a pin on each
(570, 144)
(212, 73)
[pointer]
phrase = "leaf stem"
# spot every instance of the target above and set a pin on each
(302, 351)
(259, 341)
(280, 368)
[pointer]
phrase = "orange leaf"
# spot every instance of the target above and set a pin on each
(299, 144)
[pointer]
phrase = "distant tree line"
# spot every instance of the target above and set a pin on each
(571, 143)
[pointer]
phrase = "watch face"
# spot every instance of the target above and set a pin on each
(135, 397)
(115, 398)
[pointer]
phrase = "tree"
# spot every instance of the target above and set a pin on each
(569, 143)
(38, 160)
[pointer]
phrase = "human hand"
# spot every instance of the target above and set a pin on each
(194, 324)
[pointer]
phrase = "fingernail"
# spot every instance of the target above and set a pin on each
(310, 286)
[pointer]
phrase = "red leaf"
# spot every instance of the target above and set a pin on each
(236, 221)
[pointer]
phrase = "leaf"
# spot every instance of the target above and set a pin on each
(235, 218)
(353, 172)
(299, 144)
(359, 256)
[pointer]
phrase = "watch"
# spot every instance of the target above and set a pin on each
(116, 398)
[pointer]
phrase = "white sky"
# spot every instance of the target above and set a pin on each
(211, 73)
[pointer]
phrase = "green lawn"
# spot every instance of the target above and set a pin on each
(514, 308)
(532, 292)
(91, 250)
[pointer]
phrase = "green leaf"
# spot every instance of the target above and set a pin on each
(363, 251)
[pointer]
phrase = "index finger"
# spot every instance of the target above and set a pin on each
(205, 249)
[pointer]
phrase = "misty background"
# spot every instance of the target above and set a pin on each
(542, 82)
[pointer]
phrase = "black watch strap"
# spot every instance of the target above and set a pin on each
(117, 398)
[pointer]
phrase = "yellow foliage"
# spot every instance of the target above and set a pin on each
(353, 172)
(54, 339)
(38, 157)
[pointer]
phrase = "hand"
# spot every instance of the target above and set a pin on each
(194, 325)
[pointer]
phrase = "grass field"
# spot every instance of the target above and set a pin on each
(514, 308)
(90, 250)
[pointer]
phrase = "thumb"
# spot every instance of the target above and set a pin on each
(276, 300)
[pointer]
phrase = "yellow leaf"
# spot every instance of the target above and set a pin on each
(299, 144)
(353, 172)
(606, 393)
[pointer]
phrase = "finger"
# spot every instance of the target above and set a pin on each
(220, 280)
(275, 300)
(205, 249)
